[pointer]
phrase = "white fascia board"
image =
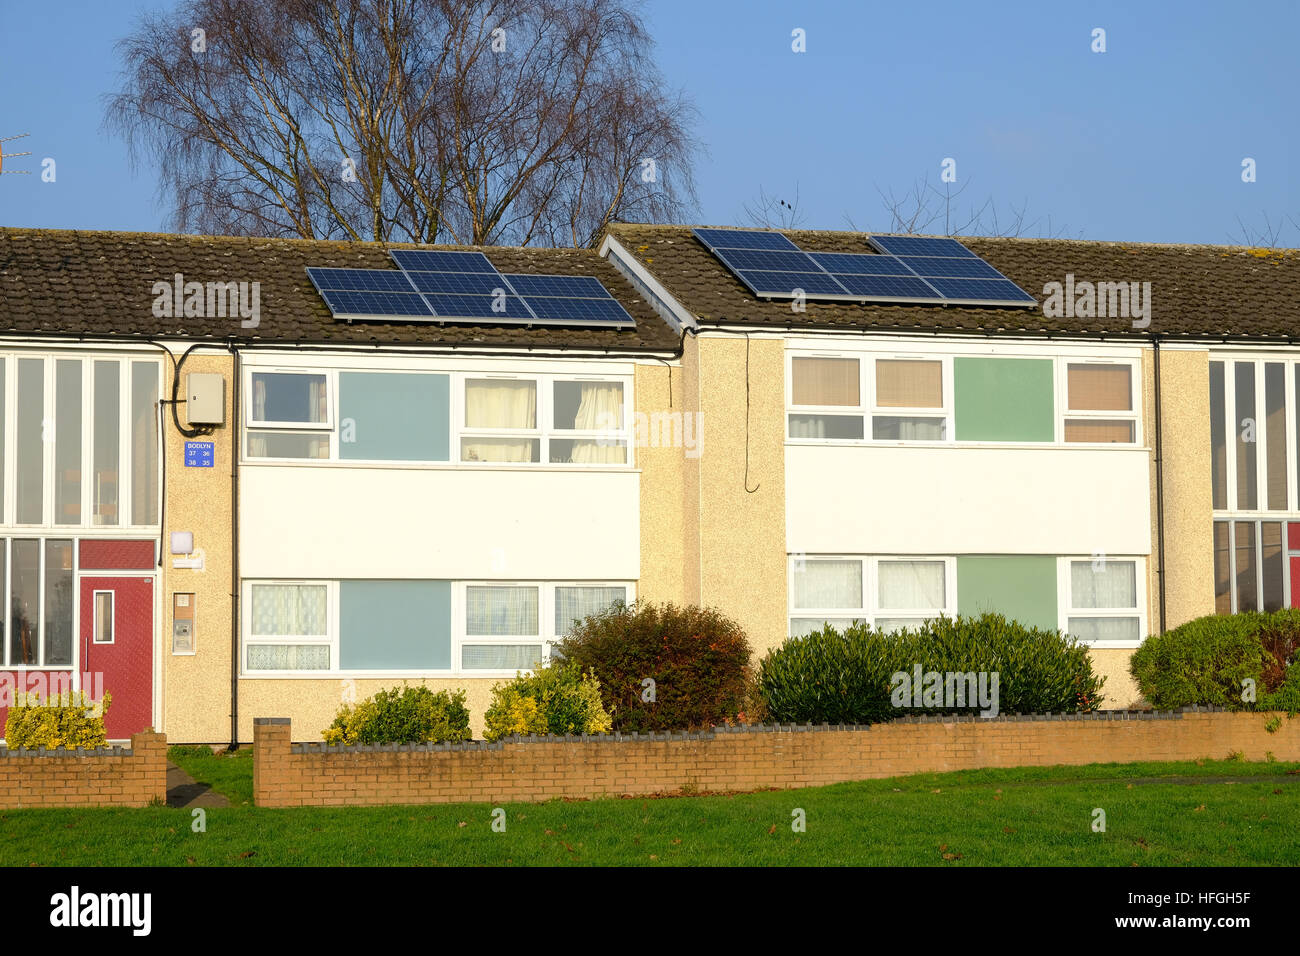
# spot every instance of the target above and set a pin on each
(611, 248)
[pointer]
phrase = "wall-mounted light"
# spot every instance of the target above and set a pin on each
(182, 542)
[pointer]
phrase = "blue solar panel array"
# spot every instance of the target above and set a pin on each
(905, 269)
(444, 286)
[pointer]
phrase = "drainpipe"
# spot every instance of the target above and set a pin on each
(1160, 487)
(235, 447)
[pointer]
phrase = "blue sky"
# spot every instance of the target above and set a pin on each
(1141, 143)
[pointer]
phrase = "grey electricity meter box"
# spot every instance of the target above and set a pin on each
(205, 398)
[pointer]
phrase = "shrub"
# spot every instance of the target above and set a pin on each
(847, 678)
(69, 719)
(1207, 661)
(556, 698)
(697, 657)
(408, 716)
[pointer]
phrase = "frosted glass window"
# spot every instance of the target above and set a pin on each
(1103, 629)
(500, 657)
(1275, 427)
(803, 626)
(25, 602)
(288, 657)
(1218, 438)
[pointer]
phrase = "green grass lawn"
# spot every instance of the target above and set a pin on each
(1209, 813)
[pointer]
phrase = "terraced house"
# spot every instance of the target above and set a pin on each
(248, 477)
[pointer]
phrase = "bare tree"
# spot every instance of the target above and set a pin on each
(467, 121)
(925, 208)
(771, 212)
(1267, 236)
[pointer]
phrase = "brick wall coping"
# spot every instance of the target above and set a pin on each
(321, 748)
(65, 752)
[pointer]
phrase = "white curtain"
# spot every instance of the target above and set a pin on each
(828, 584)
(574, 604)
(807, 426)
(912, 585)
(601, 408)
(288, 609)
(500, 611)
(499, 404)
(288, 657)
(803, 626)
(257, 442)
(1103, 584)
(1104, 628)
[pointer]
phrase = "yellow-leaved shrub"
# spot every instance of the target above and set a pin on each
(69, 719)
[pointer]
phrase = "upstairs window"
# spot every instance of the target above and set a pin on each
(1100, 403)
(909, 401)
(289, 415)
(828, 395)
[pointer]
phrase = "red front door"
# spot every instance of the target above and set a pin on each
(117, 650)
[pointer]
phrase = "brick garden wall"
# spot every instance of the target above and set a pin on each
(117, 776)
(745, 758)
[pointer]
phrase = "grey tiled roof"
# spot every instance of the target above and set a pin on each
(100, 284)
(1197, 291)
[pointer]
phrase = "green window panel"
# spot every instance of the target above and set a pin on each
(395, 625)
(1021, 587)
(1004, 399)
(394, 416)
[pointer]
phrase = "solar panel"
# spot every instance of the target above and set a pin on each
(746, 260)
(856, 263)
(895, 288)
(605, 311)
(435, 260)
(950, 267)
(359, 280)
(920, 246)
(451, 306)
(745, 239)
(581, 287)
(346, 303)
(784, 284)
(982, 292)
(464, 283)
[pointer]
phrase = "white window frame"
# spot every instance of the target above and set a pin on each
(542, 433)
(871, 611)
(269, 425)
(545, 622)
(621, 435)
(943, 414)
(1232, 430)
(1064, 412)
(1065, 599)
(94, 612)
(330, 639)
(49, 525)
(1258, 521)
(860, 411)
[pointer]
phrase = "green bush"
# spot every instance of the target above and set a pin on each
(1207, 661)
(411, 715)
(556, 698)
(69, 719)
(697, 658)
(847, 678)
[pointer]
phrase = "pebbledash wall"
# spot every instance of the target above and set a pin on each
(286, 774)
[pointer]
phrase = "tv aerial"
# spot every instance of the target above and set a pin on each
(3, 154)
